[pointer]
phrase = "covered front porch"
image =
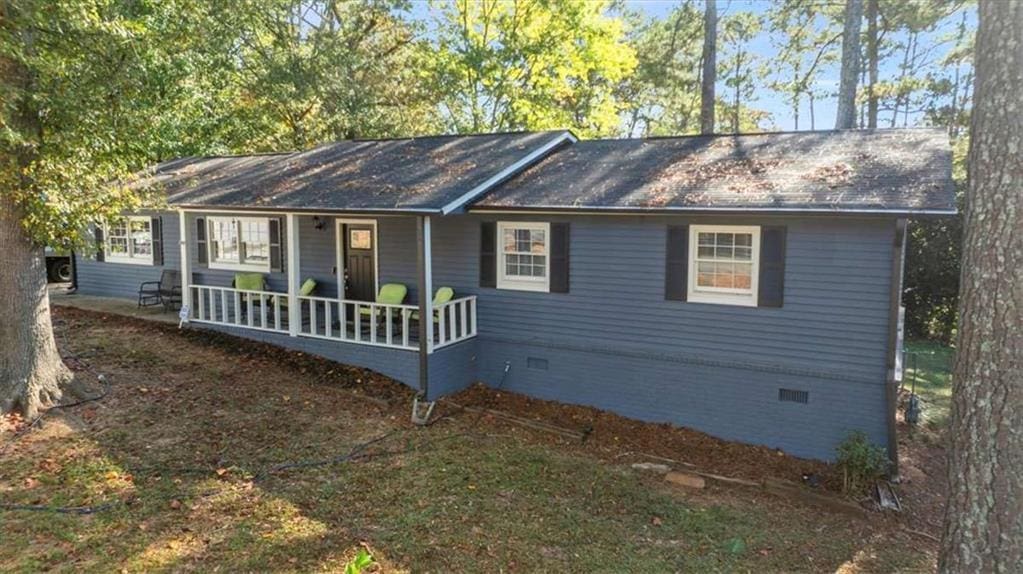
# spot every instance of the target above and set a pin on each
(353, 279)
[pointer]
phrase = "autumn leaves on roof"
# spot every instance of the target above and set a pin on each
(883, 171)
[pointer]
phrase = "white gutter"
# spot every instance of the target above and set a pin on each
(509, 171)
(323, 213)
(608, 210)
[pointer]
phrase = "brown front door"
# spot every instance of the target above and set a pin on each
(360, 265)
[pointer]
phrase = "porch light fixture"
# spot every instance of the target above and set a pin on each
(318, 223)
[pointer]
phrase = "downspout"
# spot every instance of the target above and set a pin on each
(895, 303)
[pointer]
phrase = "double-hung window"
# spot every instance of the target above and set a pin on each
(523, 256)
(239, 243)
(723, 264)
(129, 239)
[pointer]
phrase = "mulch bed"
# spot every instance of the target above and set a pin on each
(615, 438)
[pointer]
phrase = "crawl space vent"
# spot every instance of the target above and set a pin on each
(793, 396)
(535, 363)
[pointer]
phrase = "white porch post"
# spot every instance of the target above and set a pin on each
(427, 284)
(424, 263)
(186, 262)
(294, 276)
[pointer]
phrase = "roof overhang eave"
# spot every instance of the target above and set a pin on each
(308, 210)
(706, 210)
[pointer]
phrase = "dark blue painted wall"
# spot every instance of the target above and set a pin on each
(123, 279)
(614, 342)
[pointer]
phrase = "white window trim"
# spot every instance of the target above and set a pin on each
(722, 296)
(227, 265)
(130, 258)
(517, 283)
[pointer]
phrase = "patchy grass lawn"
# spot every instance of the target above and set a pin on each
(929, 364)
(185, 446)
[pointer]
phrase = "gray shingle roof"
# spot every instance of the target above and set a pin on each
(413, 174)
(897, 171)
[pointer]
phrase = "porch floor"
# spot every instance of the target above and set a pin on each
(60, 296)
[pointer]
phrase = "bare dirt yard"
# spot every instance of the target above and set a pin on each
(210, 453)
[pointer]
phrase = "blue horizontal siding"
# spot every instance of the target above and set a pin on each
(614, 342)
(834, 318)
(453, 368)
(730, 403)
(106, 279)
(400, 365)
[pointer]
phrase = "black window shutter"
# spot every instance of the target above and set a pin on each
(488, 254)
(676, 263)
(97, 232)
(276, 253)
(156, 231)
(201, 254)
(559, 257)
(772, 267)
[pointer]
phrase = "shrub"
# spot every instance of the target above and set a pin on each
(861, 461)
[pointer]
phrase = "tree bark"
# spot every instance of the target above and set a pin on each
(846, 116)
(872, 64)
(707, 97)
(984, 515)
(31, 370)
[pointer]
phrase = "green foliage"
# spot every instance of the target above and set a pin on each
(808, 36)
(861, 461)
(83, 84)
(933, 255)
(361, 561)
(662, 96)
(529, 65)
(95, 90)
(742, 71)
(310, 72)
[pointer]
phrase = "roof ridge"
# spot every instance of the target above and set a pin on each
(440, 136)
(772, 133)
(362, 140)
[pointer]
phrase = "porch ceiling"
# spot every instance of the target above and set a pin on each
(416, 175)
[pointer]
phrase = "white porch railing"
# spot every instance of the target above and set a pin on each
(360, 322)
(454, 321)
(395, 326)
(260, 310)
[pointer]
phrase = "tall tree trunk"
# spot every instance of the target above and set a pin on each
(846, 116)
(984, 515)
(31, 371)
(914, 42)
(903, 73)
(872, 63)
(795, 111)
(813, 120)
(738, 85)
(710, 72)
(953, 123)
(863, 105)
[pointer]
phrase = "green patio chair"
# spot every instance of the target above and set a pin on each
(442, 296)
(390, 294)
(307, 289)
(249, 281)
